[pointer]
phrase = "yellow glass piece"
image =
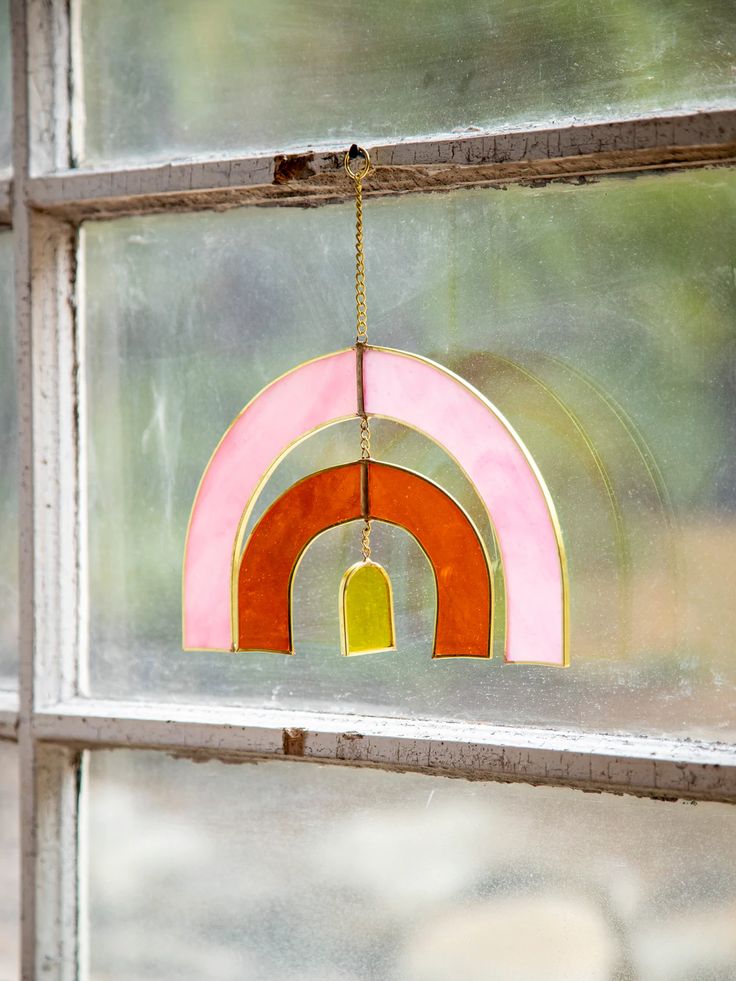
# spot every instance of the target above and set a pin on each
(366, 610)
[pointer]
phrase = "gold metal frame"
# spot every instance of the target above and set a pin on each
(251, 502)
(295, 569)
(497, 582)
(344, 583)
(542, 486)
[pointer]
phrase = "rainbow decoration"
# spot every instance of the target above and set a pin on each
(237, 592)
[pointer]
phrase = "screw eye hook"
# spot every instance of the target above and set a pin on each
(352, 154)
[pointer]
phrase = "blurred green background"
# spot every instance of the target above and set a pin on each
(598, 318)
(165, 78)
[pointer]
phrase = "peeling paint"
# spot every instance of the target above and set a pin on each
(293, 742)
(572, 153)
(643, 766)
(293, 168)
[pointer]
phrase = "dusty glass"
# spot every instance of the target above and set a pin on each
(5, 86)
(9, 863)
(158, 79)
(285, 871)
(8, 474)
(599, 319)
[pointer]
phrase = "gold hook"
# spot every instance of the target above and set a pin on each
(352, 153)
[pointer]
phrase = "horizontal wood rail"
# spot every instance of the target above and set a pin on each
(645, 766)
(312, 176)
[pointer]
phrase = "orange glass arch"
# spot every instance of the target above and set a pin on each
(382, 492)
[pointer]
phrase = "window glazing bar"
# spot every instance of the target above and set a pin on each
(645, 766)
(29, 836)
(43, 257)
(441, 163)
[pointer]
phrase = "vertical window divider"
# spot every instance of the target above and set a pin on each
(48, 494)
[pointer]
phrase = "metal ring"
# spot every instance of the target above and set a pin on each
(360, 174)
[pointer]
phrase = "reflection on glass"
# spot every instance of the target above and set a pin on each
(5, 86)
(299, 872)
(9, 863)
(160, 79)
(599, 319)
(8, 474)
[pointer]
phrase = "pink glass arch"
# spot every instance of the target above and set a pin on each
(427, 397)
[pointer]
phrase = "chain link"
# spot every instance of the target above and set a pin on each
(365, 439)
(365, 540)
(361, 326)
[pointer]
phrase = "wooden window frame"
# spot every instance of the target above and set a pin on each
(44, 202)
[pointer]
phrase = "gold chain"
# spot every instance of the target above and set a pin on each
(365, 439)
(365, 540)
(361, 326)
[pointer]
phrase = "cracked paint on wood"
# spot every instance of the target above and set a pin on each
(309, 178)
(644, 766)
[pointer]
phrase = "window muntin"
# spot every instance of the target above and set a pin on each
(625, 403)
(323, 72)
(5, 102)
(286, 871)
(9, 862)
(8, 474)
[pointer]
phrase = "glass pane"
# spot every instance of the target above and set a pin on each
(159, 79)
(5, 86)
(8, 474)
(9, 863)
(286, 871)
(599, 319)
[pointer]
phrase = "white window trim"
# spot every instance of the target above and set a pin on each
(45, 202)
(643, 765)
(570, 152)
